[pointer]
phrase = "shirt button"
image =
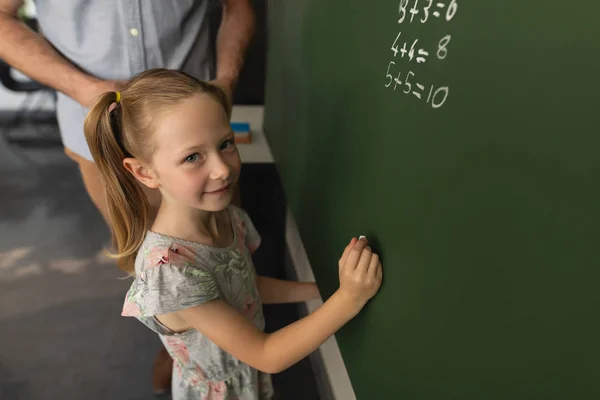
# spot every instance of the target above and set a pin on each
(134, 32)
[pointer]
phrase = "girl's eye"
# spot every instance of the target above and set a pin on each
(228, 144)
(192, 158)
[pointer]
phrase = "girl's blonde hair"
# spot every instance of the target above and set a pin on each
(126, 131)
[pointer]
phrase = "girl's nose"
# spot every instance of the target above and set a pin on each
(219, 169)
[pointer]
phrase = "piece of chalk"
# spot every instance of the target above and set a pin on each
(362, 237)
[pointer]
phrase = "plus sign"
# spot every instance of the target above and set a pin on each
(403, 50)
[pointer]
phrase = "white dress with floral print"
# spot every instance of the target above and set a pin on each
(173, 274)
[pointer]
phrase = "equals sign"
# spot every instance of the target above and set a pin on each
(422, 52)
(438, 5)
(418, 94)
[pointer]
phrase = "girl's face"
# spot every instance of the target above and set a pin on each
(195, 161)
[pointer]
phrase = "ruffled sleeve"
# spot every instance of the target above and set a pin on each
(171, 280)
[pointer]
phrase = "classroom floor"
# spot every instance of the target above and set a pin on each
(61, 331)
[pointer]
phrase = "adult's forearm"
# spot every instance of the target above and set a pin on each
(236, 31)
(30, 53)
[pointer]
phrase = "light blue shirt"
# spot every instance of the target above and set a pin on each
(116, 39)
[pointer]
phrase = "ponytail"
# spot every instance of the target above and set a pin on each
(126, 203)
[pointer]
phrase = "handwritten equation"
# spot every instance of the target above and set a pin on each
(438, 10)
(436, 98)
(419, 54)
(410, 50)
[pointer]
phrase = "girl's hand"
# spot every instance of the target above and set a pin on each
(360, 272)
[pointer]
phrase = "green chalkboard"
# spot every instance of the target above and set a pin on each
(478, 180)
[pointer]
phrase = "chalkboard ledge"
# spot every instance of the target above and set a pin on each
(330, 362)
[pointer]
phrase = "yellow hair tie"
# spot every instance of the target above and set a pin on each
(118, 100)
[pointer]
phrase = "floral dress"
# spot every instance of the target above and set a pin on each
(173, 274)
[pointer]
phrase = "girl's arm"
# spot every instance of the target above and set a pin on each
(360, 278)
(277, 291)
(275, 352)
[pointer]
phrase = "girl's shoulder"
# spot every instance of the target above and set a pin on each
(238, 216)
(169, 277)
(157, 250)
(244, 228)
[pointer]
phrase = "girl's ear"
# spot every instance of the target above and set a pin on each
(142, 172)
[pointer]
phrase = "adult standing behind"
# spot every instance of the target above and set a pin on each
(89, 47)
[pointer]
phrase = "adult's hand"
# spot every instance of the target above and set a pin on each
(228, 86)
(88, 94)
